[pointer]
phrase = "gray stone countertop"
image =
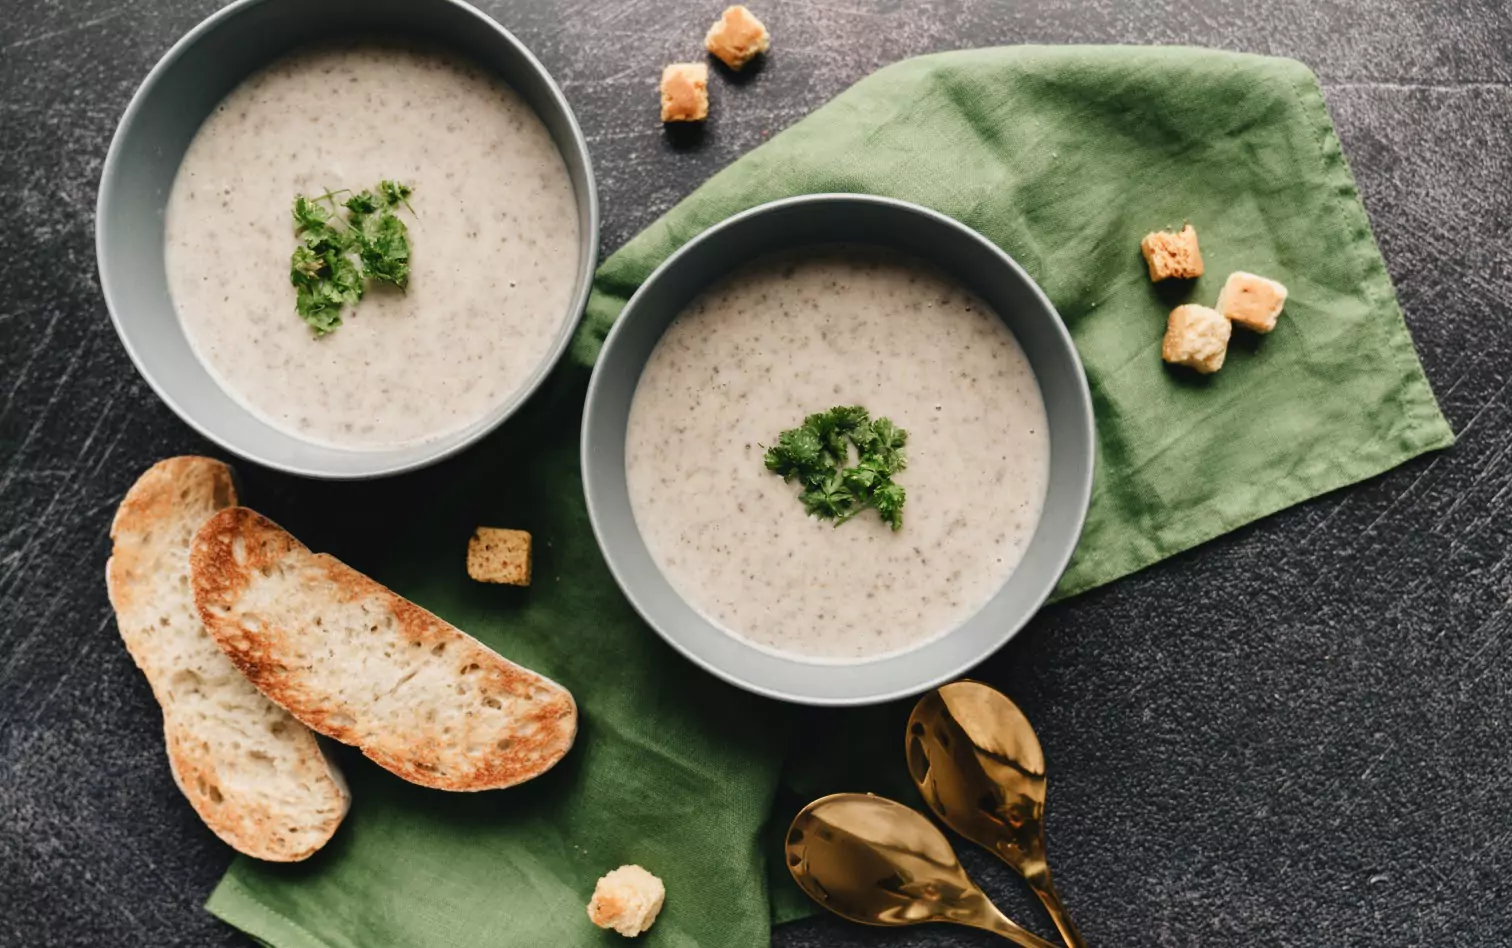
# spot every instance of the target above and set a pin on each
(1318, 708)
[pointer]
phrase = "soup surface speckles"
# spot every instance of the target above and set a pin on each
(493, 238)
(796, 334)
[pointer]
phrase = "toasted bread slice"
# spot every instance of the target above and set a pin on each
(355, 661)
(254, 774)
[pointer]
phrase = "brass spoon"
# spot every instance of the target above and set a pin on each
(878, 862)
(978, 764)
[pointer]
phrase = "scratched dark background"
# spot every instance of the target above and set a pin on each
(1299, 734)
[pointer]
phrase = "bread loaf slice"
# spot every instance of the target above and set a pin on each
(355, 661)
(254, 774)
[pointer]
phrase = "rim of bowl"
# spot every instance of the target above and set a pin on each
(571, 320)
(1062, 558)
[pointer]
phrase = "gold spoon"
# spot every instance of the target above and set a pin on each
(878, 862)
(978, 764)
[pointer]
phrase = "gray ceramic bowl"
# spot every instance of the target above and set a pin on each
(831, 219)
(162, 118)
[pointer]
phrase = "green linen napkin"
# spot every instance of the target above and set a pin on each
(1064, 157)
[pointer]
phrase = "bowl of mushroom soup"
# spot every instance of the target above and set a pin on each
(346, 239)
(838, 449)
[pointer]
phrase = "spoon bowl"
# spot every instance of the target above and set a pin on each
(978, 763)
(878, 862)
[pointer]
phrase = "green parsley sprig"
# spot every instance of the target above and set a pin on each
(335, 255)
(817, 455)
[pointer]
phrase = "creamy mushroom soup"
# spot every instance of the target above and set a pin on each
(792, 335)
(493, 238)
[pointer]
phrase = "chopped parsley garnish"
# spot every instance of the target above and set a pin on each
(337, 254)
(817, 455)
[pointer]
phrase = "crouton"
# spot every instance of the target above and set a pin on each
(1172, 254)
(737, 37)
(685, 92)
(627, 900)
(499, 556)
(1252, 301)
(1196, 337)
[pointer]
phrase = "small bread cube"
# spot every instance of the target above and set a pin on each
(1196, 337)
(1252, 301)
(685, 92)
(627, 900)
(1172, 255)
(737, 37)
(495, 555)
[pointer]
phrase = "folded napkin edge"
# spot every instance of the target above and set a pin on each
(238, 906)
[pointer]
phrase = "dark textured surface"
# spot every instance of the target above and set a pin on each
(1299, 734)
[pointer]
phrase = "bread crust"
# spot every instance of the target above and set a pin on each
(257, 778)
(1172, 255)
(1196, 337)
(737, 37)
(361, 664)
(627, 900)
(1252, 301)
(685, 92)
(499, 555)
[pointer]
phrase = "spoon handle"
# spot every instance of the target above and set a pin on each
(1000, 924)
(1044, 887)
